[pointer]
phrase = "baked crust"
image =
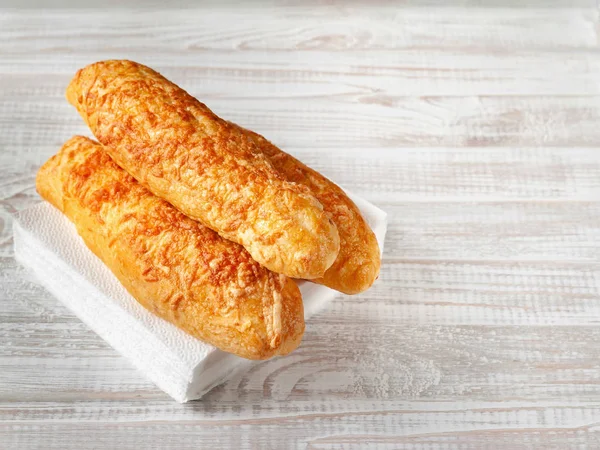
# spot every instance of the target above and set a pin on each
(174, 266)
(206, 167)
(357, 265)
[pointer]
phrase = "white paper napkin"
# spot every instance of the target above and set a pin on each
(182, 366)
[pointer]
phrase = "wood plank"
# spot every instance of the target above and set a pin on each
(73, 378)
(28, 300)
(269, 6)
(373, 121)
(547, 438)
(6, 239)
(391, 363)
(477, 293)
(257, 75)
(374, 432)
(427, 292)
(301, 27)
(530, 231)
(137, 414)
(460, 174)
(493, 231)
(385, 121)
(387, 176)
(390, 176)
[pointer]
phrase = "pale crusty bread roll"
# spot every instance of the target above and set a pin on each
(357, 264)
(174, 266)
(206, 167)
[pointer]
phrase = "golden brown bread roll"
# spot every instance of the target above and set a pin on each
(357, 264)
(174, 266)
(205, 166)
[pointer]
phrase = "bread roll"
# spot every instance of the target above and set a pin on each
(357, 264)
(174, 266)
(206, 167)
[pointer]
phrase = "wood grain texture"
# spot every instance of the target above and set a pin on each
(358, 121)
(334, 27)
(210, 73)
(476, 129)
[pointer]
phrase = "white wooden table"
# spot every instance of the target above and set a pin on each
(477, 130)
